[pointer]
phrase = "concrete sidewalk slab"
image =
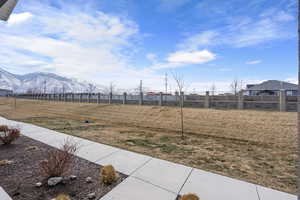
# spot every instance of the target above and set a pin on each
(125, 162)
(96, 151)
(164, 174)
(270, 194)
(215, 187)
(4, 195)
(135, 189)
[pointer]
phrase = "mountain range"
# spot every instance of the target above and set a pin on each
(44, 82)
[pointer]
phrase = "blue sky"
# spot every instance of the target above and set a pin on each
(122, 41)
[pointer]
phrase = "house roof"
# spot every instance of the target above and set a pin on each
(274, 85)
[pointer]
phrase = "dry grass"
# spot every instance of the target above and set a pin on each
(255, 146)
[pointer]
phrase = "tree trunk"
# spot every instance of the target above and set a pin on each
(181, 114)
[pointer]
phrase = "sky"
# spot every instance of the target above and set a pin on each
(204, 42)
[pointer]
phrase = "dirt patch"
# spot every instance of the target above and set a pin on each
(254, 146)
(19, 178)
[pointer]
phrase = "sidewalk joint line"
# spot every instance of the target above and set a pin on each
(186, 180)
(145, 181)
(108, 155)
(141, 166)
(257, 192)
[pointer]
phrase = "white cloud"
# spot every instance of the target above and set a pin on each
(244, 32)
(184, 58)
(87, 46)
(284, 17)
(151, 57)
(253, 62)
(193, 57)
(193, 42)
(19, 18)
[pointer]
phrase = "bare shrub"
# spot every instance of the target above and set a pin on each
(8, 135)
(58, 161)
(108, 174)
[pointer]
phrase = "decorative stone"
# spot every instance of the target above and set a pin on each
(91, 195)
(6, 162)
(73, 177)
(38, 184)
(54, 181)
(88, 179)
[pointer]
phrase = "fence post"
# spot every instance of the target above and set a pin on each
(206, 100)
(241, 100)
(160, 102)
(124, 98)
(141, 101)
(182, 98)
(72, 97)
(89, 97)
(110, 98)
(176, 97)
(282, 100)
(98, 98)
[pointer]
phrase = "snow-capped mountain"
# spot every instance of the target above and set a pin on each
(43, 82)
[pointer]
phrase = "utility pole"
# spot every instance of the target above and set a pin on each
(166, 83)
(141, 86)
(45, 86)
(63, 89)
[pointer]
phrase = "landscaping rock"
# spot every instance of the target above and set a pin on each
(31, 148)
(38, 184)
(91, 195)
(5, 162)
(88, 179)
(54, 181)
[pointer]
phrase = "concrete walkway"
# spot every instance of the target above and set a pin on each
(151, 178)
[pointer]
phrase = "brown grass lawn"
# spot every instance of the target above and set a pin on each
(254, 146)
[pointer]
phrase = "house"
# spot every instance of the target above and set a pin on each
(5, 93)
(271, 87)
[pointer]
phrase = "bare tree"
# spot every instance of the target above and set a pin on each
(236, 86)
(213, 89)
(63, 88)
(91, 88)
(110, 88)
(180, 86)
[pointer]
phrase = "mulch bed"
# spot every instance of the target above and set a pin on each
(19, 178)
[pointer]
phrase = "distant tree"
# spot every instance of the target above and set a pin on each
(91, 88)
(236, 86)
(213, 89)
(110, 88)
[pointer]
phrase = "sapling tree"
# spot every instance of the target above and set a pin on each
(180, 86)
